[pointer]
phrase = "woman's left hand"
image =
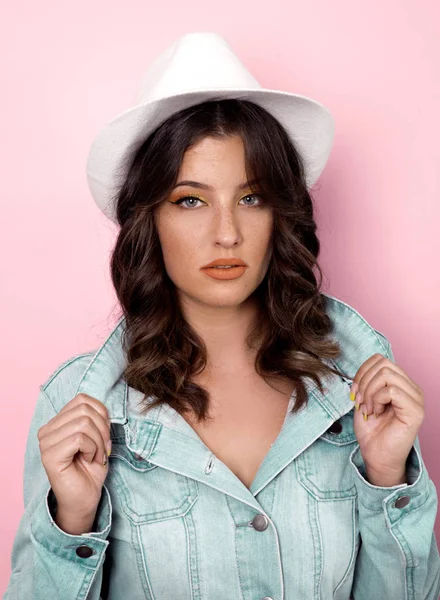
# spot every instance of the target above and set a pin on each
(386, 441)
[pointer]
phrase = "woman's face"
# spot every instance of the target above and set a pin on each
(224, 221)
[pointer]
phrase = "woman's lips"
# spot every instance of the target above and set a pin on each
(229, 273)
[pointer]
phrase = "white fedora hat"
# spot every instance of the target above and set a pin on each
(200, 66)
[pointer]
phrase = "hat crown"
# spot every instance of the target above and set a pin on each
(199, 67)
(195, 62)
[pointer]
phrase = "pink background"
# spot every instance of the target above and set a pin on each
(69, 67)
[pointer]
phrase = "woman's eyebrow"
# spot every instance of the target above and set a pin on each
(204, 186)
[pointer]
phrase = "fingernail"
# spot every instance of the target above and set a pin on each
(353, 390)
(365, 415)
(109, 447)
(104, 462)
(357, 405)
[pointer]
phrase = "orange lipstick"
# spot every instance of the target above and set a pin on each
(225, 268)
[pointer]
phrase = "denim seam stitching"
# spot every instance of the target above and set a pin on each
(98, 352)
(410, 511)
(317, 545)
(194, 575)
(402, 515)
(325, 405)
(280, 564)
(188, 559)
(404, 559)
(98, 566)
(363, 320)
(353, 549)
(136, 529)
(303, 471)
(64, 553)
(46, 395)
(237, 562)
(61, 368)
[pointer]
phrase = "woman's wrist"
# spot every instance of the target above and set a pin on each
(74, 525)
(385, 480)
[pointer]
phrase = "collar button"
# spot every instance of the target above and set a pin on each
(402, 501)
(84, 551)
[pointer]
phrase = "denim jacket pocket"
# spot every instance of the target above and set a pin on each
(159, 523)
(149, 492)
(323, 470)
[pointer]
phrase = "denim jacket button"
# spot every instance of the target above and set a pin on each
(260, 522)
(335, 428)
(84, 551)
(402, 501)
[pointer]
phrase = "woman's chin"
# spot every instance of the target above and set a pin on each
(217, 299)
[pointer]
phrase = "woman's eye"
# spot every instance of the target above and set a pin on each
(185, 199)
(252, 196)
(194, 198)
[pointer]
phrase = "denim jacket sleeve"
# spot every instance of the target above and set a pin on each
(44, 560)
(398, 558)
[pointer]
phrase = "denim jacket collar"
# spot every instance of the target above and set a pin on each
(164, 438)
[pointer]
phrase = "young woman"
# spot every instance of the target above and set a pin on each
(238, 467)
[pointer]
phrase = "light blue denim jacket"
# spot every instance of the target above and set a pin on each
(175, 523)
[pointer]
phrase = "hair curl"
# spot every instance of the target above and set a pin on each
(163, 350)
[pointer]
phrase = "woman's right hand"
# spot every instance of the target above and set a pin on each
(72, 448)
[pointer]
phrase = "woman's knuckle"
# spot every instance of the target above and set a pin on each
(80, 437)
(421, 412)
(392, 390)
(84, 422)
(85, 409)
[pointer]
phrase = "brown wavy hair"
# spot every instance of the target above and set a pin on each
(291, 332)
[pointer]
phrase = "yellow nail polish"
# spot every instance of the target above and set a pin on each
(357, 405)
(352, 396)
(365, 416)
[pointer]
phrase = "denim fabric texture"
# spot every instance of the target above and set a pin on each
(175, 523)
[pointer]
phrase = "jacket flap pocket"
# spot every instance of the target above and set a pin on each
(148, 492)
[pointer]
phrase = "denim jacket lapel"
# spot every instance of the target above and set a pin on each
(164, 438)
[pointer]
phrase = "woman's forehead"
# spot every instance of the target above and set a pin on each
(212, 162)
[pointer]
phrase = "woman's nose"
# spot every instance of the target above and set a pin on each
(226, 227)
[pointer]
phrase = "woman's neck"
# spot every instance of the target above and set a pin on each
(224, 332)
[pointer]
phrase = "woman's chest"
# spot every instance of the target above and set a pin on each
(246, 417)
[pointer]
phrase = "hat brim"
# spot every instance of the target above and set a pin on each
(308, 122)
